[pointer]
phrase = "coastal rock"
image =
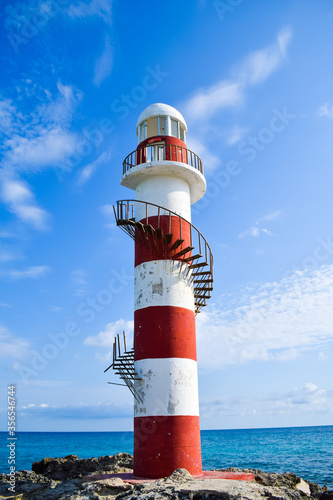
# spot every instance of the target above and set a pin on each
(61, 479)
(71, 467)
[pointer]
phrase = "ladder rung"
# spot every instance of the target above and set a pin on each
(194, 257)
(176, 244)
(182, 252)
(200, 264)
(168, 238)
(149, 228)
(203, 281)
(197, 289)
(202, 273)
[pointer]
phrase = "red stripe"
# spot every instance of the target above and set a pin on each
(154, 248)
(163, 444)
(164, 332)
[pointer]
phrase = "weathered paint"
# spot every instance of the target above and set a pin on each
(168, 386)
(160, 109)
(166, 422)
(163, 444)
(193, 177)
(154, 248)
(164, 332)
(159, 283)
(172, 193)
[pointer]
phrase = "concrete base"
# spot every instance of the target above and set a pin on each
(128, 477)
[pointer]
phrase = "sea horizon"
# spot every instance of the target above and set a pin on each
(306, 451)
(216, 429)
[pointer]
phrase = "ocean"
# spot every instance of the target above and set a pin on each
(306, 451)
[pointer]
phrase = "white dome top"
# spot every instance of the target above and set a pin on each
(160, 109)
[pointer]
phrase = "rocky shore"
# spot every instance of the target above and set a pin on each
(70, 479)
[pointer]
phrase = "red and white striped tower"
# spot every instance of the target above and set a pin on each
(167, 179)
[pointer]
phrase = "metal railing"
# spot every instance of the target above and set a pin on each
(162, 152)
(148, 231)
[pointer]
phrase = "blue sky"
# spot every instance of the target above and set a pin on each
(254, 83)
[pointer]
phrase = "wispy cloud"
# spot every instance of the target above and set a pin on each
(79, 282)
(256, 230)
(270, 321)
(325, 110)
(35, 140)
(12, 346)
(89, 170)
(31, 272)
(105, 338)
(308, 398)
(104, 63)
(254, 69)
(206, 102)
(259, 65)
(230, 93)
(18, 197)
(93, 411)
(81, 9)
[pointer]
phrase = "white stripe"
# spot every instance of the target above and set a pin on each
(169, 386)
(171, 193)
(159, 283)
(193, 177)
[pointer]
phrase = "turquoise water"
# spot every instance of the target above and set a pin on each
(307, 451)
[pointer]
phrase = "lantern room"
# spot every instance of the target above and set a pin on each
(160, 120)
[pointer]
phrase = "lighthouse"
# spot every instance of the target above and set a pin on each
(173, 279)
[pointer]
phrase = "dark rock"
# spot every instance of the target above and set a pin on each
(61, 479)
(70, 466)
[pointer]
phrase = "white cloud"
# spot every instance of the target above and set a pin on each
(36, 140)
(326, 111)
(308, 399)
(270, 321)
(271, 216)
(6, 256)
(259, 65)
(205, 103)
(100, 8)
(255, 69)
(256, 230)
(11, 346)
(107, 209)
(90, 169)
(16, 194)
(105, 338)
(104, 63)
(235, 135)
(45, 150)
(31, 272)
(9, 117)
(79, 282)
(97, 411)
(210, 161)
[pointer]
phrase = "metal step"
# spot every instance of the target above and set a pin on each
(197, 289)
(168, 238)
(194, 257)
(176, 244)
(182, 252)
(200, 264)
(209, 280)
(149, 229)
